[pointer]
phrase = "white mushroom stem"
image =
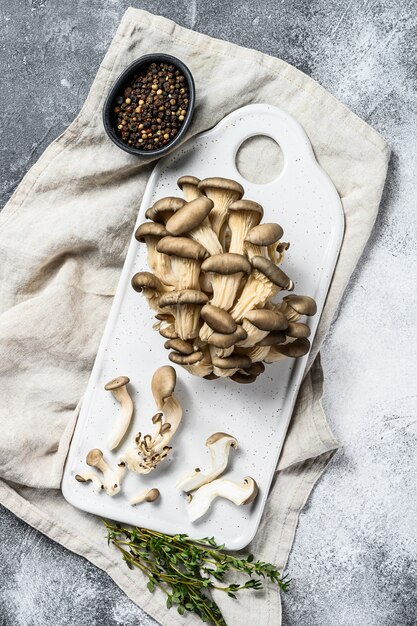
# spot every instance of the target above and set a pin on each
(111, 478)
(254, 334)
(147, 495)
(172, 412)
(117, 386)
(90, 476)
(238, 493)
(256, 353)
(257, 290)
(252, 250)
(219, 446)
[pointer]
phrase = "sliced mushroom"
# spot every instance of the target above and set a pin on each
(192, 219)
(189, 187)
(243, 215)
(186, 257)
(147, 495)
(118, 388)
(111, 478)
(238, 493)
(187, 305)
(258, 323)
(219, 446)
(151, 287)
(150, 233)
(223, 192)
(294, 349)
(162, 210)
(294, 307)
(265, 282)
(262, 238)
(90, 476)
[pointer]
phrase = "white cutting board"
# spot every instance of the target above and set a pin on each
(304, 201)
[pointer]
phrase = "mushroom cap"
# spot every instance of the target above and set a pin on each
(271, 271)
(168, 332)
(211, 376)
(94, 457)
(181, 247)
(298, 329)
(185, 359)
(156, 211)
(187, 180)
(247, 205)
(273, 338)
(163, 384)
(179, 345)
(221, 340)
(226, 184)
(295, 349)
(186, 296)
(241, 361)
(253, 488)
(264, 234)
(152, 495)
(256, 368)
(266, 319)
(243, 379)
(218, 319)
(146, 280)
(115, 383)
(216, 436)
(189, 216)
(226, 264)
(303, 305)
(150, 229)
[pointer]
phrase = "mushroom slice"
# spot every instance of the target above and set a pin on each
(186, 256)
(90, 476)
(219, 446)
(111, 478)
(223, 192)
(118, 388)
(163, 384)
(151, 287)
(189, 187)
(243, 215)
(192, 219)
(293, 349)
(162, 210)
(147, 495)
(294, 307)
(238, 493)
(186, 304)
(298, 329)
(262, 238)
(225, 272)
(265, 282)
(219, 320)
(258, 323)
(150, 233)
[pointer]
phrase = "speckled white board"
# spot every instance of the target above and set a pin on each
(304, 201)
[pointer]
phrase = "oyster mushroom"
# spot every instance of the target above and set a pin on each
(219, 446)
(223, 192)
(265, 282)
(273, 338)
(147, 495)
(163, 384)
(225, 272)
(294, 349)
(179, 345)
(185, 359)
(243, 215)
(219, 320)
(151, 287)
(119, 390)
(111, 478)
(203, 367)
(297, 330)
(261, 239)
(168, 331)
(186, 257)
(243, 378)
(150, 233)
(189, 187)
(258, 323)
(90, 476)
(277, 253)
(186, 304)
(162, 210)
(225, 343)
(192, 219)
(255, 354)
(238, 493)
(226, 366)
(294, 307)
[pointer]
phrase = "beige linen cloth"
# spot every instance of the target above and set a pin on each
(63, 238)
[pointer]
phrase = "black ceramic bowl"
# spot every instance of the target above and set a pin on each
(124, 79)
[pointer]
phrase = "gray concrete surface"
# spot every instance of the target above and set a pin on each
(354, 557)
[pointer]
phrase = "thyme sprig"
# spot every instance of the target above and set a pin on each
(185, 570)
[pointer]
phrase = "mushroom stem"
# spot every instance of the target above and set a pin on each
(111, 478)
(147, 495)
(238, 493)
(90, 476)
(119, 390)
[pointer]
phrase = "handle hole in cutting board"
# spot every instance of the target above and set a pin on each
(259, 159)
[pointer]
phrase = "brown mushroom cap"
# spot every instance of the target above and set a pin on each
(160, 211)
(181, 247)
(211, 376)
(168, 332)
(303, 305)
(115, 383)
(247, 205)
(255, 490)
(221, 340)
(272, 272)
(256, 368)
(298, 329)
(265, 234)
(94, 457)
(243, 379)
(146, 280)
(216, 436)
(295, 349)
(187, 180)
(152, 495)
(179, 345)
(267, 320)
(218, 319)
(234, 360)
(189, 216)
(186, 296)
(150, 229)
(226, 264)
(185, 359)
(273, 338)
(221, 183)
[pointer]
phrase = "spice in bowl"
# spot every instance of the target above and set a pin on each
(152, 107)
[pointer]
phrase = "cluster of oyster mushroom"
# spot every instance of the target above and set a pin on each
(214, 274)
